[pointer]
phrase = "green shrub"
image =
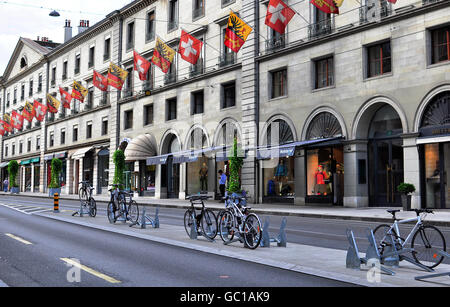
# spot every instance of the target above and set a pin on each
(56, 170)
(236, 161)
(119, 162)
(13, 169)
(406, 188)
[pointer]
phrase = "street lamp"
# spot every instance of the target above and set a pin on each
(54, 14)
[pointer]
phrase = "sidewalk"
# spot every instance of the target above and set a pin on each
(317, 261)
(439, 218)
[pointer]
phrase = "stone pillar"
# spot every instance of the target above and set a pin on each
(158, 182)
(356, 194)
(300, 177)
(69, 176)
(411, 166)
(32, 177)
(95, 173)
(211, 177)
(80, 175)
(183, 183)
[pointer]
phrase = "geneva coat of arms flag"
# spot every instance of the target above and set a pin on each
(116, 76)
(236, 33)
(163, 55)
(79, 92)
(28, 112)
(52, 104)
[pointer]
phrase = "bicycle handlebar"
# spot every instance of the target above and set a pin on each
(198, 197)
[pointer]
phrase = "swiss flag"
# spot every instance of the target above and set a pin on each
(190, 48)
(100, 81)
(16, 120)
(66, 98)
(39, 110)
(278, 15)
(141, 65)
(2, 128)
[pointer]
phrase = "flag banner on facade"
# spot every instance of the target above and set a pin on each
(2, 128)
(39, 110)
(278, 15)
(28, 112)
(52, 104)
(141, 65)
(190, 48)
(391, 1)
(326, 6)
(163, 55)
(16, 120)
(338, 3)
(236, 33)
(7, 122)
(79, 92)
(66, 98)
(100, 81)
(116, 76)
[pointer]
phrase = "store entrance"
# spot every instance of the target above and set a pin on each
(173, 178)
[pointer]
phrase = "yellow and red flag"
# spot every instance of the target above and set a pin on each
(326, 6)
(236, 33)
(79, 92)
(2, 128)
(28, 112)
(7, 122)
(163, 55)
(116, 76)
(52, 104)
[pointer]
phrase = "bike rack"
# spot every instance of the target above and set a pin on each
(147, 220)
(354, 261)
(82, 210)
(281, 239)
(194, 233)
(442, 253)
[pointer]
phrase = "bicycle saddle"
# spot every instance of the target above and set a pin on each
(393, 212)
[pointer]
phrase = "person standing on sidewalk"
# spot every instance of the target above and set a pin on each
(222, 182)
(5, 185)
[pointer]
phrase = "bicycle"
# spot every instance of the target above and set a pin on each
(206, 222)
(236, 218)
(88, 203)
(129, 211)
(427, 240)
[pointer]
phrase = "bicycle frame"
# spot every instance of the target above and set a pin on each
(394, 226)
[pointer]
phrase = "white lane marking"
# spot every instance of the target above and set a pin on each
(18, 239)
(90, 271)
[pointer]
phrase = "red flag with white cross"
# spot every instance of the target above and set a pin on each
(141, 65)
(39, 110)
(278, 15)
(66, 98)
(16, 120)
(100, 81)
(2, 128)
(190, 48)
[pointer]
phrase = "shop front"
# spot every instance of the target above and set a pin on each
(4, 173)
(434, 153)
(27, 175)
(48, 166)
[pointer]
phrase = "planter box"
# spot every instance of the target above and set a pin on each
(15, 190)
(406, 202)
(52, 191)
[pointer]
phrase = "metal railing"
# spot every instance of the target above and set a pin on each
(147, 86)
(170, 78)
(172, 25)
(275, 43)
(321, 28)
(227, 59)
(197, 69)
(77, 70)
(196, 13)
(106, 57)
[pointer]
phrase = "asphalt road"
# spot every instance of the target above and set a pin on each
(36, 251)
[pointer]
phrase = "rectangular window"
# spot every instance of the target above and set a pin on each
(15, 96)
(30, 89)
(28, 145)
(40, 84)
(75, 134)
(20, 147)
(6, 150)
(77, 64)
(173, 15)
(171, 109)
(128, 119)
(324, 73)
(148, 114)
(105, 126)
(378, 59)
(198, 9)
(90, 99)
(279, 83)
(13, 150)
(88, 130)
(22, 92)
(197, 103)
(51, 139)
(440, 44)
(150, 34)
(53, 81)
(91, 57)
(38, 143)
(107, 49)
(228, 95)
(7, 100)
(130, 35)
(227, 56)
(129, 83)
(64, 75)
(63, 136)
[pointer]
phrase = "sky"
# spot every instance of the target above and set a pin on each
(30, 19)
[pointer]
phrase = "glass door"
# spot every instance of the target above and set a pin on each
(173, 177)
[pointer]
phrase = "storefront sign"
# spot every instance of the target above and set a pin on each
(157, 160)
(434, 131)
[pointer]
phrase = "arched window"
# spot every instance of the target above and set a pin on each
(285, 134)
(437, 113)
(23, 62)
(197, 140)
(324, 125)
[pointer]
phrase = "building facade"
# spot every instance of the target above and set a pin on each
(338, 110)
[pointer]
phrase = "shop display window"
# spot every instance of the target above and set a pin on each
(197, 174)
(280, 179)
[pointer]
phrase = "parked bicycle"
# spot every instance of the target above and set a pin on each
(88, 203)
(426, 240)
(119, 207)
(236, 219)
(206, 222)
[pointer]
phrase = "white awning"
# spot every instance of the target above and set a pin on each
(80, 153)
(429, 140)
(140, 148)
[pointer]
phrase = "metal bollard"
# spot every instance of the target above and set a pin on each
(56, 203)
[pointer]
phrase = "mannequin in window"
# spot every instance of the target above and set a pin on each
(320, 177)
(203, 177)
(281, 173)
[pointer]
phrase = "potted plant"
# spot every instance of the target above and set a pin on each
(13, 169)
(55, 186)
(236, 162)
(406, 189)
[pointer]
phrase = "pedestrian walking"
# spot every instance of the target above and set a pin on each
(222, 182)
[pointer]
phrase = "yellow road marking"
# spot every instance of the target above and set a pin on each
(18, 239)
(90, 271)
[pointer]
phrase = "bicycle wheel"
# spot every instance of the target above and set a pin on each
(83, 195)
(111, 212)
(382, 237)
(427, 242)
(92, 207)
(226, 229)
(188, 221)
(252, 231)
(209, 224)
(133, 212)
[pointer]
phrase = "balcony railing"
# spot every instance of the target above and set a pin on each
(385, 11)
(149, 36)
(52, 83)
(321, 28)
(103, 102)
(127, 93)
(172, 25)
(275, 43)
(170, 78)
(227, 59)
(425, 2)
(147, 86)
(197, 69)
(64, 76)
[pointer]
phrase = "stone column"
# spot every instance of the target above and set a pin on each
(69, 176)
(411, 166)
(32, 177)
(356, 194)
(300, 177)
(95, 173)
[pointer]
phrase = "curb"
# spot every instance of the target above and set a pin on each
(210, 250)
(268, 212)
(3, 285)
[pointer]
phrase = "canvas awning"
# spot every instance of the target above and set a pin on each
(3, 164)
(140, 148)
(80, 153)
